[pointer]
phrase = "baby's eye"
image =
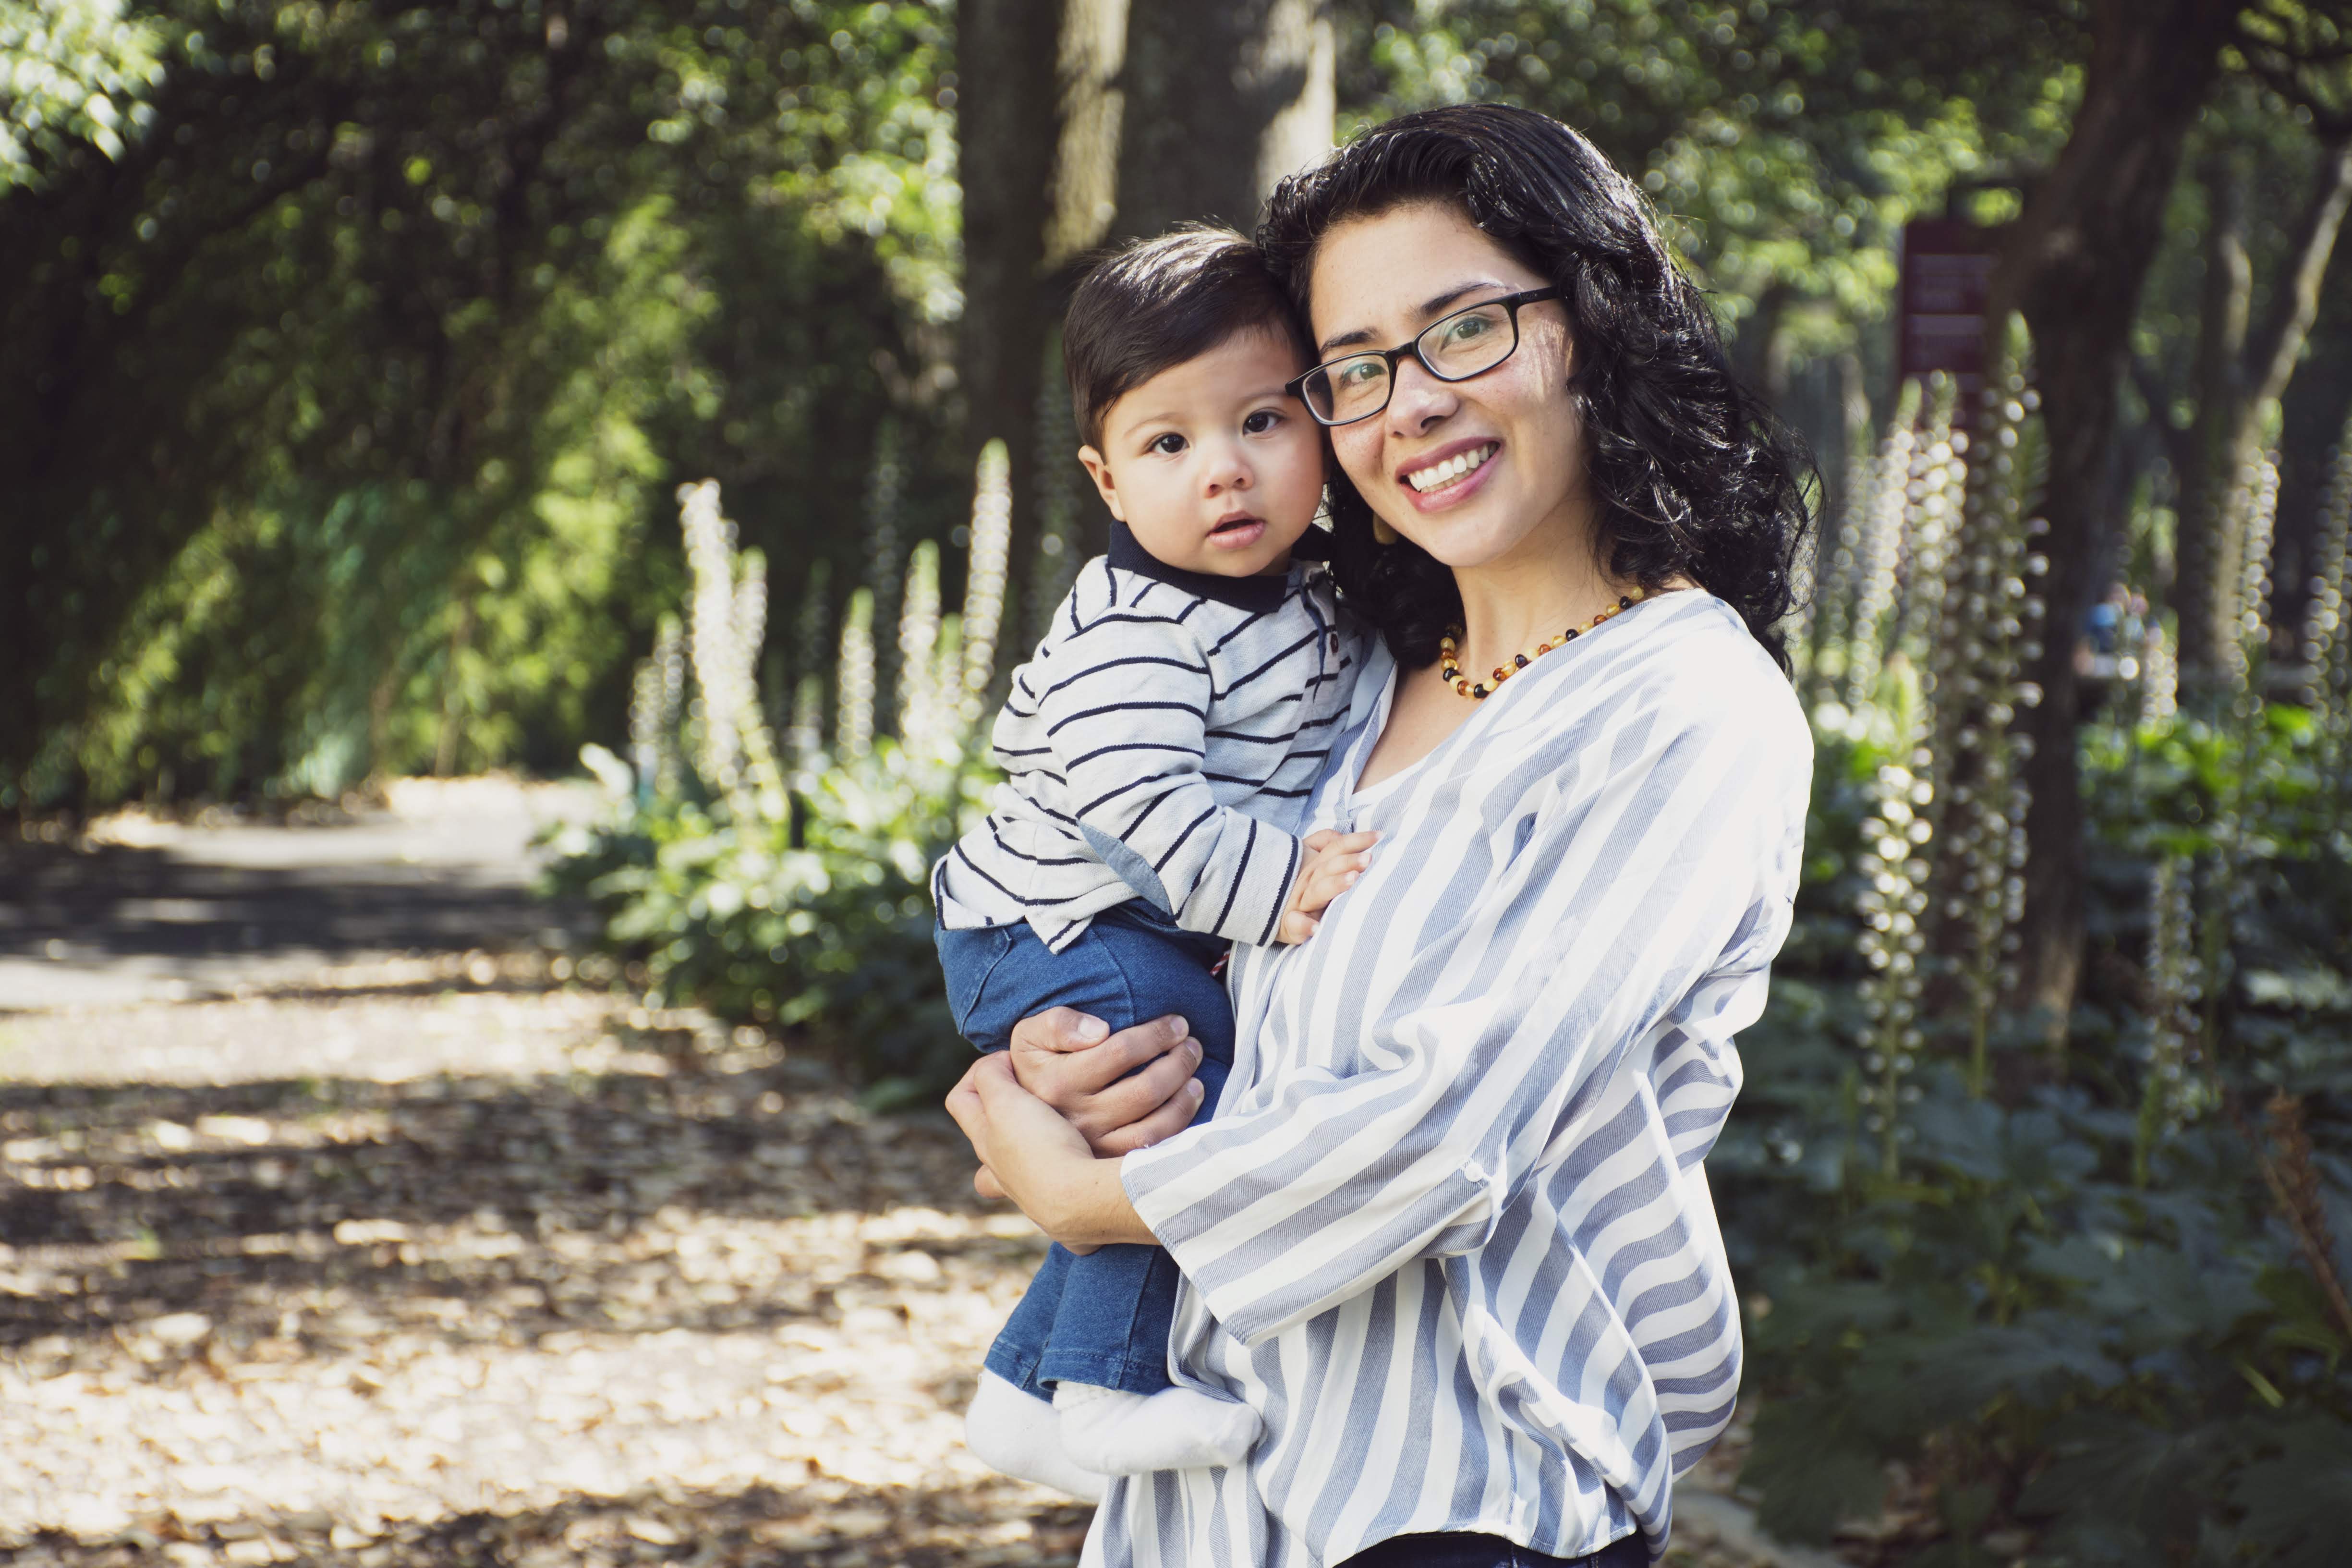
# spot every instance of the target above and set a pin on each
(1261, 421)
(1167, 445)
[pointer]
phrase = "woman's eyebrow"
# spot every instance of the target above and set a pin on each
(1431, 308)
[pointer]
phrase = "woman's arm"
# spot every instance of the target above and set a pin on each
(1040, 1162)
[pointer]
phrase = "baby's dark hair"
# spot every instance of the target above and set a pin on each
(1155, 303)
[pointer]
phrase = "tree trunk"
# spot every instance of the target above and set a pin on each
(1007, 123)
(2204, 542)
(2075, 264)
(2240, 375)
(1223, 100)
(1089, 120)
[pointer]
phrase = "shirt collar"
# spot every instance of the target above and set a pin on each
(1254, 594)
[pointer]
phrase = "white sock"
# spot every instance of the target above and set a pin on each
(1020, 1435)
(1133, 1434)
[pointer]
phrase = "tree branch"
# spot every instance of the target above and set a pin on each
(2272, 354)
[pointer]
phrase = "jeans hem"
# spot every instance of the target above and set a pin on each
(1098, 1371)
(1020, 1370)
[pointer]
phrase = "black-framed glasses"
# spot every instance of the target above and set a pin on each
(1468, 342)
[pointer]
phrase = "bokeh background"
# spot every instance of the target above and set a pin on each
(515, 516)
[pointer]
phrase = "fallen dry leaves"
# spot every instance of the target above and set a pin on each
(351, 1306)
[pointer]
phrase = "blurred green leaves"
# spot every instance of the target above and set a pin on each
(334, 395)
(72, 71)
(1784, 166)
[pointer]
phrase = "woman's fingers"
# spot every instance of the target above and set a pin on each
(1059, 1029)
(1072, 1082)
(1133, 1100)
(1173, 1117)
(971, 1111)
(1021, 1129)
(984, 1181)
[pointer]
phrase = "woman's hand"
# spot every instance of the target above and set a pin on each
(1040, 1161)
(1076, 1066)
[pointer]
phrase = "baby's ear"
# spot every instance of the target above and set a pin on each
(1099, 471)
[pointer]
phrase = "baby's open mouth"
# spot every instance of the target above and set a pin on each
(1232, 524)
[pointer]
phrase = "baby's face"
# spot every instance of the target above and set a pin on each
(1211, 465)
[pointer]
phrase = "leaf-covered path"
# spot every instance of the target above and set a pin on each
(445, 1256)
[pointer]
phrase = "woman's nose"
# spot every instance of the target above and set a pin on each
(1419, 399)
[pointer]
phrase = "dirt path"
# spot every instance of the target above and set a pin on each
(340, 1222)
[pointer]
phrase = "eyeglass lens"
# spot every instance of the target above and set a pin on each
(1454, 349)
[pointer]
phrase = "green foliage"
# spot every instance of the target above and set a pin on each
(344, 366)
(72, 71)
(809, 910)
(821, 925)
(2132, 1360)
(1785, 166)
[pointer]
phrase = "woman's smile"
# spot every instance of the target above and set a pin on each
(1451, 473)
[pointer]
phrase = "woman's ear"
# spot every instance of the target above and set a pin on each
(1099, 471)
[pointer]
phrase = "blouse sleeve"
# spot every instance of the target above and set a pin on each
(1676, 864)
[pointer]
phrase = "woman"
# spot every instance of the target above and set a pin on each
(1448, 1231)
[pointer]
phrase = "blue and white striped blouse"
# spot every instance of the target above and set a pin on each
(1448, 1230)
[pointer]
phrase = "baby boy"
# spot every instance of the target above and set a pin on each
(1158, 747)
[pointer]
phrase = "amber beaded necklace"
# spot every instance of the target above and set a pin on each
(1449, 667)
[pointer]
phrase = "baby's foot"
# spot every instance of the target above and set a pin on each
(1123, 1433)
(1020, 1435)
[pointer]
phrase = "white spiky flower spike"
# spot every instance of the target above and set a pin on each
(2174, 1092)
(2326, 637)
(758, 742)
(669, 704)
(712, 640)
(1879, 550)
(2159, 676)
(2251, 592)
(984, 595)
(918, 640)
(852, 726)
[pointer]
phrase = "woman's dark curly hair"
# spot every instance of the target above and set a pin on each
(1691, 473)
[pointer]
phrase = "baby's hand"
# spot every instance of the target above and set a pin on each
(1333, 862)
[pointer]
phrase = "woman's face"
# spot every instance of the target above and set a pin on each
(1517, 483)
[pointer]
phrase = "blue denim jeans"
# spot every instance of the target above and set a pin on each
(1101, 1319)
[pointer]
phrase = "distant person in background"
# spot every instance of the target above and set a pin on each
(1448, 1232)
(2105, 622)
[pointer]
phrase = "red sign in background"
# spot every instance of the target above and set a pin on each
(1947, 274)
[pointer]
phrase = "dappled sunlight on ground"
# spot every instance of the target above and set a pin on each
(618, 1307)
